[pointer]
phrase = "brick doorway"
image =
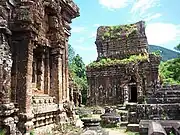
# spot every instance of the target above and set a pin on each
(133, 93)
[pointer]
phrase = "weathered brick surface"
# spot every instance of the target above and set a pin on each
(39, 41)
(112, 84)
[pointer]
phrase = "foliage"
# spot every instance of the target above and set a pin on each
(111, 62)
(32, 132)
(78, 67)
(2, 131)
(132, 133)
(171, 133)
(166, 54)
(177, 47)
(170, 72)
(119, 30)
(78, 72)
(157, 53)
(71, 54)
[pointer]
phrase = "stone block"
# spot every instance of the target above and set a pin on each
(155, 128)
(133, 127)
(132, 117)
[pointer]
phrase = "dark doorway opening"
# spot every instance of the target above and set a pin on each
(133, 94)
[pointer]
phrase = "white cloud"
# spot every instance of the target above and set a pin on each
(162, 33)
(114, 4)
(77, 29)
(154, 16)
(141, 6)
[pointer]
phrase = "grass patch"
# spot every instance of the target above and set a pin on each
(132, 133)
(119, 30)
(111, 62)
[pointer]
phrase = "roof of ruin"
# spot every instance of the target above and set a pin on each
(119, 31)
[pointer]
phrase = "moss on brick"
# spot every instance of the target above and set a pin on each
(119, 30)
(104, 62)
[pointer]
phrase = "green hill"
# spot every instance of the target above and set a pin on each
(166, 54)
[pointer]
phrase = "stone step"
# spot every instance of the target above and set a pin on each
(164, 100)
(125, 123)
(133, 127)
(123, 114)
(122, 108)
(124, 118)
(168, 91)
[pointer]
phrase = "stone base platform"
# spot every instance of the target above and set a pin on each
(133, 127)
(168, 125)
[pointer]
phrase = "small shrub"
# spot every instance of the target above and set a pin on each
(2, 131)
(171, 133)
(32, 132)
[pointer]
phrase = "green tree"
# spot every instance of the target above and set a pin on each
(71, 54)
(170, 71)
(177, 47)
(77, 70)
(78, 66)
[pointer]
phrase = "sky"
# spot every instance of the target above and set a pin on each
(161, 17)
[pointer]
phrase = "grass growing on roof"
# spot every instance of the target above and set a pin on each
(110, 62)
(117, 31)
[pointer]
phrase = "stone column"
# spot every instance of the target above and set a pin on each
(66, 69)
(47, 72)
(56, 75)
(40, 71)
(126, 95)
(60, 76)
(5, 69)
(23, 73)
(63, 75)
(139, 91)
(8, 119)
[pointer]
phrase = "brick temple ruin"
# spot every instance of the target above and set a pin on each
(125, 75)
(34, 82)
(119, 83)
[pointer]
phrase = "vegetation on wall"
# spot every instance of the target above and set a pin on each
(110, 62)
(170, 71)
(117, 31)
(77, 70)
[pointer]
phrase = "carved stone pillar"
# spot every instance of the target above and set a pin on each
(56, 75)
(139, 91)
(66, 70)
(64, 76)
(5, 69)
(126, 94)
(8, 119)
(47, 72)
